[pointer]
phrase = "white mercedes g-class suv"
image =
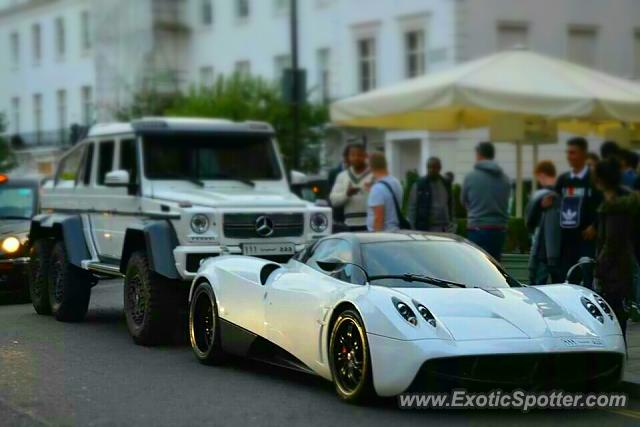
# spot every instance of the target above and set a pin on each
(149, 200)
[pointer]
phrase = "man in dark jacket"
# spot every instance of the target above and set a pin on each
(485, 194)
(579, 201)
(618, 239)
(431, 201)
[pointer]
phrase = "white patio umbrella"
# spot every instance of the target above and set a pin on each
(516, 83)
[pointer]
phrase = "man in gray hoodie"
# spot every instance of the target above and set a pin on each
(485, 194)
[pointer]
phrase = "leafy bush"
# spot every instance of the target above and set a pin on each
(240, 98)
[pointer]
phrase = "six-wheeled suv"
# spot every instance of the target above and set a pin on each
(150, 200)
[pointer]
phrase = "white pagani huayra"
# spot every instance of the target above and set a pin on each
(388, 313)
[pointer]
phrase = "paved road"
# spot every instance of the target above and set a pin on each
(92, 374)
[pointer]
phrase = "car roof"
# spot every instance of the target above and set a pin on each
(169, 124)
(398, 236)
(21, 182)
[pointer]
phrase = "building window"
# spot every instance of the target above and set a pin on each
(85, 31)
(512, 35)
(60, 37)
(207, 12)
(36, 43)
(415, 56)
(367, 64)
(582, 46)
(15, 114)
(206, 76)
(636, 49)
(281, 6)
(281, 63)
(243, 68)
(243, 9)
(324, 74)
(61, 97)
(87, 105)
(14, 41)
(37, 116)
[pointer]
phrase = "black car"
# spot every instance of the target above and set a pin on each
(18, 204)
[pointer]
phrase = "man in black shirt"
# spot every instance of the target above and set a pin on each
(579, 202)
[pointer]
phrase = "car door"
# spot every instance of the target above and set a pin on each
(298, 301)
(101, 202)
(126, 199)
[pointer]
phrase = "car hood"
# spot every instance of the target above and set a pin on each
(234, 197)
(505, 313)
(13, 227)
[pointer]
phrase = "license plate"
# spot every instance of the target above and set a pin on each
(583, 342)
(265, 249)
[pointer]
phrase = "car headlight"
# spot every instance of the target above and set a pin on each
(592, 309)
(426, 314)
(199, 223)
(10, 245)
(605, 307)
(405, 311)
(319, 222)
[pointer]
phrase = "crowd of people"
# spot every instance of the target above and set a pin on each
(591, 212)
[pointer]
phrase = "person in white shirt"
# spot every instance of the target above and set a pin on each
(351, 189)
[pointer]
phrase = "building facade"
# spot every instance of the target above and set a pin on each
(81, 61)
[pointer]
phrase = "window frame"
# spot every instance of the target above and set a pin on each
(61, 164)
(420, 52)
(370, 60)
(88, 159)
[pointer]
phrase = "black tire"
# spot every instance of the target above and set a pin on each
(40, 254)
(69, 287)
(350, 359)
(151, 303)
(204, 326)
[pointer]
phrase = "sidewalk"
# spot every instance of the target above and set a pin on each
(631, 380)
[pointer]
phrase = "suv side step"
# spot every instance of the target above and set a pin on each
(109, 269)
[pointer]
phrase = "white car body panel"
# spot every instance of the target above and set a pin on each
(294, 307)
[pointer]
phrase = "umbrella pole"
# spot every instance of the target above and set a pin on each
(519, 189)
(534, 181)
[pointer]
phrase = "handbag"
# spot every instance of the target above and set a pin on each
(402, 221)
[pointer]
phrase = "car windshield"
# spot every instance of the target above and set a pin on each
(451, 261)
(242, 157)
(16, 202)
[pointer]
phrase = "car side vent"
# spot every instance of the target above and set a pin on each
(266, 272)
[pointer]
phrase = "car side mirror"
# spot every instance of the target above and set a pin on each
(331, 265)
(117, 178)
(298, 178)
(585, 267)
(358, 275)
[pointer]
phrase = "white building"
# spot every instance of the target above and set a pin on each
(77, 61)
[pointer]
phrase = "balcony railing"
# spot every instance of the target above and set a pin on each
(45, 139)
(170, 15)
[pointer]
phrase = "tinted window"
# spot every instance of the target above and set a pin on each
(454, 261)
(105, 160)
(210, 157)
(70, 167)
(128, 159)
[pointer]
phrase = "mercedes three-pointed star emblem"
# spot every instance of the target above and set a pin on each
(264, 226)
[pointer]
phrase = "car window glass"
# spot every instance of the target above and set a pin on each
(335, 249)
(87, 163)
(128, 159)
(69, 168)
(105, 160)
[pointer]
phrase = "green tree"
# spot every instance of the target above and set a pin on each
(239, 98)
(7, 157)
